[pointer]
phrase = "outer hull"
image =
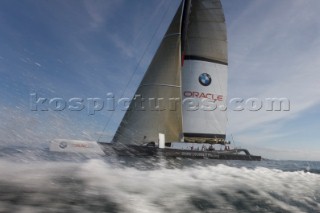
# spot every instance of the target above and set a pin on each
(145, 151)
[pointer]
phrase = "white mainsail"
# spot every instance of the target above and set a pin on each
(204, 72)
(197, 35)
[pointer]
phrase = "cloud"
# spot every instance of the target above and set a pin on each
(271, 59)
(122, 45)
(100, 11)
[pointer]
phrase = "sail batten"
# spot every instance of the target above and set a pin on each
(161, 85)
(199, 58)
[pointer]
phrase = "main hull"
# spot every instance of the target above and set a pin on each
(145, 151)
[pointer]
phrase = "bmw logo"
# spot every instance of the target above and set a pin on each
(205, 79)
(63, 145)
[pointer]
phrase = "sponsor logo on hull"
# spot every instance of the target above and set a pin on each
(63, 145)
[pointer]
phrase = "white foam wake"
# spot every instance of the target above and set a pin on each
(98, 186)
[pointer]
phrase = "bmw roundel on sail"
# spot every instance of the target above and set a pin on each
(205, 79)
(190, 67)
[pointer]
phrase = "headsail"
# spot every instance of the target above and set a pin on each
(159, 87)
(204, 72)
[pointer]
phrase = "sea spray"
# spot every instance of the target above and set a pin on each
(97, 185)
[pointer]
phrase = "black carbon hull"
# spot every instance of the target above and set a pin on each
(145, 151)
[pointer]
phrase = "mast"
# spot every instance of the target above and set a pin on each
(184, 25)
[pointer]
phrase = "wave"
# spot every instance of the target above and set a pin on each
(98, 186)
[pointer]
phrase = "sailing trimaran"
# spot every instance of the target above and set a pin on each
(188, 77)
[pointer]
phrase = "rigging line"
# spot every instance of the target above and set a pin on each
(233, 141)
(136, 69)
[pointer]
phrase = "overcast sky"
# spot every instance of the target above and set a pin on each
(86, 49)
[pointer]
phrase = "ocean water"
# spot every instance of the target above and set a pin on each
(34, 180)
